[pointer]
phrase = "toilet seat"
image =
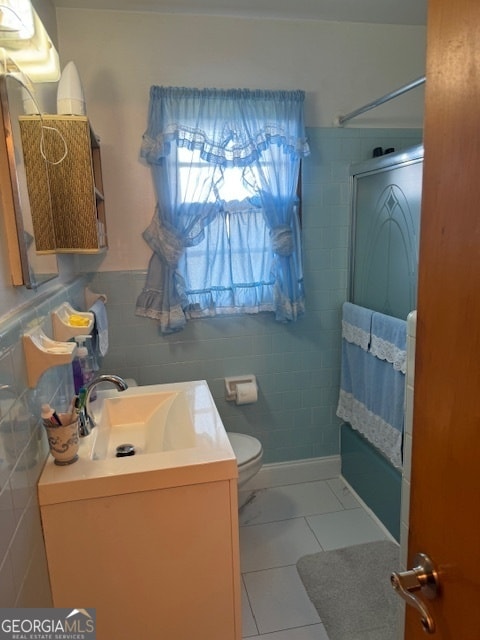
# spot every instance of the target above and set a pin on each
(247, 449)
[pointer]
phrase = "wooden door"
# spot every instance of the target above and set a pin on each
(445, 495)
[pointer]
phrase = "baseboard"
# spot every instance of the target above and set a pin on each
(277, 474)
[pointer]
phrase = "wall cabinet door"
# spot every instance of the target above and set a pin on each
(64, 175)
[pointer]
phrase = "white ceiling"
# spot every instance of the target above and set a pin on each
(408, 12)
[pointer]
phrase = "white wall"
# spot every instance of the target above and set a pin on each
(121, 54)
(11, 297)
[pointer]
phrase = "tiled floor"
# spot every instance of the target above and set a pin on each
(277, 527)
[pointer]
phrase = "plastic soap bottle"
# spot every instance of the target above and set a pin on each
(83, 365)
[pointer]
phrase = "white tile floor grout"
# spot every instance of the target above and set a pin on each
(279, 526)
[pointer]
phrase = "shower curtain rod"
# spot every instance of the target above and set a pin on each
(340, 120)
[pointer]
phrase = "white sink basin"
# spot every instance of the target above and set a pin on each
(175, 429)
(150, 422)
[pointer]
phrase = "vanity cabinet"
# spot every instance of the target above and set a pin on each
(64, 177)
(151, 541)
(153, 564)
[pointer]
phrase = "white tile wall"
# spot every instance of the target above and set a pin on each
(407, 453)
(23, 449)
(407, 448)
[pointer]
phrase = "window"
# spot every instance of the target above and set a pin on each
(235, 256)
(225, 234)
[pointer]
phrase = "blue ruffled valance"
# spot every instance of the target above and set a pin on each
(229, 127)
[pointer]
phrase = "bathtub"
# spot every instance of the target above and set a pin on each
(372, 477)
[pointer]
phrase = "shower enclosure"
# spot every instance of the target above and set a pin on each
(386, 200)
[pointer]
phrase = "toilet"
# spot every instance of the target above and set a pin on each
(249, 453)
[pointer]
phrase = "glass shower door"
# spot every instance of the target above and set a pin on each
(385, 232)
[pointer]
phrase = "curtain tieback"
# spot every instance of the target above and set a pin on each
(173, 246)
(282, 240)
(164, 240)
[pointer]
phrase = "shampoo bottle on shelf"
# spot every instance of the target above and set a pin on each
(83, 366)
(76, 364)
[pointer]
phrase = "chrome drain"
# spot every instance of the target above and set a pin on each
(124, 450)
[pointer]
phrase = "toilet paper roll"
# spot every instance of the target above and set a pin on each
(246, 393)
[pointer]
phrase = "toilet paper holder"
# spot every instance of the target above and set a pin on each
(231, 385)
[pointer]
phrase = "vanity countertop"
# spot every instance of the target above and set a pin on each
(209, 457)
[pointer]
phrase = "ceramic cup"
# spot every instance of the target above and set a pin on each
(64, 440)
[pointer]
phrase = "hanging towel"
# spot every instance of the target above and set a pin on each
(100, 328)
(389, 340)
(372, 393)
(356, 324)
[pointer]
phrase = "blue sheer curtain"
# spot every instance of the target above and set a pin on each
(214, 253)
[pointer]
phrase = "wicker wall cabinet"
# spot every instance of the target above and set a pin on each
(64, 177)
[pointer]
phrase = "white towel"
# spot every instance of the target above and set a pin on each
(100, 328)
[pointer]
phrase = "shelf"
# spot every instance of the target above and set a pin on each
(63, 330)
(42, 353)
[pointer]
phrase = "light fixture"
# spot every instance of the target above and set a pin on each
(16, 20)
(26, 41)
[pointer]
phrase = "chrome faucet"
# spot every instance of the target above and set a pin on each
(85, 420)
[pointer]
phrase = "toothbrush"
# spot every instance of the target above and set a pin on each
(82, 396)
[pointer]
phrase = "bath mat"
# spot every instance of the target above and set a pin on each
(350, 589)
